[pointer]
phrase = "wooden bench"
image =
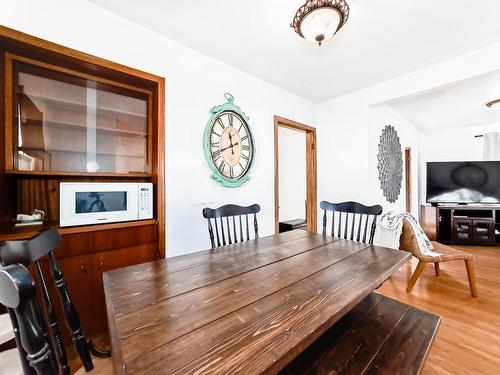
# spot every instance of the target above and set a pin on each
(379, 336)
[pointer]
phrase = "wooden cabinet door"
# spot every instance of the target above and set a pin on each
(110, 260)
(483, 232)
(49, 128)
(462, 230)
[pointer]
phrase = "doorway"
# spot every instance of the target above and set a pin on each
(408, 179)
(310, 173)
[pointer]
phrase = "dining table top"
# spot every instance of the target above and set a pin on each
(246, 308)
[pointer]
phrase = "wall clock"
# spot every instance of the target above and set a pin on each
(390, 163)
(229, 144)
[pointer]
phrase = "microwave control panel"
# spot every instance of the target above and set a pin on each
(145, 201)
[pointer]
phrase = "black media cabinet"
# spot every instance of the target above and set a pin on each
(468, 225)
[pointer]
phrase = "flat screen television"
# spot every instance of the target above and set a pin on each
(463, 182)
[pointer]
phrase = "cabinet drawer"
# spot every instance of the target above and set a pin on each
(124, 238)
(73, 245)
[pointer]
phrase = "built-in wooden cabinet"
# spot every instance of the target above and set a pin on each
(71, 117)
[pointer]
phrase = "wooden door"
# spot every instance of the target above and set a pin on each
(111, 260)
(311, 171)
(408, 179)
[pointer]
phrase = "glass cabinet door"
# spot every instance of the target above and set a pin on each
(64, 121)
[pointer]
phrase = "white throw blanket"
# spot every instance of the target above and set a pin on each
(391, 226)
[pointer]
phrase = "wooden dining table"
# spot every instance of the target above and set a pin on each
(246, 308)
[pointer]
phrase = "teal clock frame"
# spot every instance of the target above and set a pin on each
(216, 175)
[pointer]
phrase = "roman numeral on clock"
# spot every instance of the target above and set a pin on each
(230, 119)
(221, 166)
(216, 155)
(244, 138)
(216, 145)
(231, 172)
(221, 123)
(245, 148)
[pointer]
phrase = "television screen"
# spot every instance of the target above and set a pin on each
(463, 182)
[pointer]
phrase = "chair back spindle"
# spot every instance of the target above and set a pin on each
(349, 214)
(17, 292)
(226, 219)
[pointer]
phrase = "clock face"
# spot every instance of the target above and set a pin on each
(231, 145)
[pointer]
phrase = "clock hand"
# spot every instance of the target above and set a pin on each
(224, 149)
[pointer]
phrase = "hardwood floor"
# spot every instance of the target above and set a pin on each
(468, 340)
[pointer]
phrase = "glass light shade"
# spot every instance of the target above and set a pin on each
(320, 25)
(494, 105)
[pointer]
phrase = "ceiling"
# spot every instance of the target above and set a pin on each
(383, 39)
(457, 105)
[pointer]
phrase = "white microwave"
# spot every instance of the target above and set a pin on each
(99, 203)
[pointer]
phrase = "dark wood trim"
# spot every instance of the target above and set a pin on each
(11, 57)
(159, 167)
(311, 173)
(408, 179)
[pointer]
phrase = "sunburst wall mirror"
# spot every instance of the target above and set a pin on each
(390, 164)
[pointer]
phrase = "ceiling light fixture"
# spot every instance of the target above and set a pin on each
(495, 104)
(319, 20)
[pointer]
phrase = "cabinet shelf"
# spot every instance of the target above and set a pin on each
(83, 127)
(64, 103)
(104, 153)
(79, 174)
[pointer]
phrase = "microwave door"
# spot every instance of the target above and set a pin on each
(83, 204)
(100, 202)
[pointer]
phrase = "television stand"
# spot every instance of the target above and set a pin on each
(462, 224)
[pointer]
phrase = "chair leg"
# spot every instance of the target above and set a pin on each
(418, 271)
(471, 273)
(436, 268)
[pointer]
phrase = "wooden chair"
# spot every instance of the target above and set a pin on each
(232, 226)
(351, 220)
(408, 242)
(27, 252)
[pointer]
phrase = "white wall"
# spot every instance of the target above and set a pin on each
(195, 83)
(292, 174)
(458, 144)
(349, 127)
(348, 137)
